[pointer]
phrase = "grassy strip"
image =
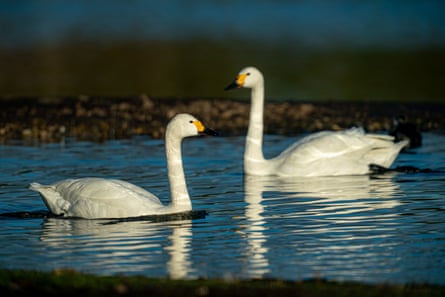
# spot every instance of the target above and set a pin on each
(71, 283)
(198, 68)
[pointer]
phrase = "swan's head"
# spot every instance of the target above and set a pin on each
(185, 125)
(249, 77)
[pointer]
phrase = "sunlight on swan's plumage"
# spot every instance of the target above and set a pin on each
(347, 152)
(94, 198)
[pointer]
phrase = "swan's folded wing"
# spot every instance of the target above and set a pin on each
(95, 198)
(338, 153)
(327, 144)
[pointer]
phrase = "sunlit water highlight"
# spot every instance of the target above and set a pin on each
(384, 228)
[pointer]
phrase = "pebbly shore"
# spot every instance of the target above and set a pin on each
(50, 119)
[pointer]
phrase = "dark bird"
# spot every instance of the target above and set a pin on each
(404, 130)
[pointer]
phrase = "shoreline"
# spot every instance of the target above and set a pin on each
(72, 283)
(50, 119)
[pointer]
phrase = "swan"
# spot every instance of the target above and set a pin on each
(326, 153)
(95, 198)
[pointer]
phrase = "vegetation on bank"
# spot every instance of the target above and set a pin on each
(196, 68)
(72, 283)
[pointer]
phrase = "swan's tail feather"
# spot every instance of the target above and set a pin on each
(36, 186)
(52, 199)
(385, 156)
(381, 136)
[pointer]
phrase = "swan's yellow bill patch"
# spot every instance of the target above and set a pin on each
(199, 126)
(240, 79)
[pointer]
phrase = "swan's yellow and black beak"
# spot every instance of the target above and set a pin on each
(237, 83)
(204, 130)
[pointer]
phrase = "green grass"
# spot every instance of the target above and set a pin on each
(72, 283)
(199, 68)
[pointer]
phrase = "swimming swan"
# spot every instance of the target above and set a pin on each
(326, 153)
(93, 198)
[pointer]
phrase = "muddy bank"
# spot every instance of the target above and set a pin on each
(100, 118)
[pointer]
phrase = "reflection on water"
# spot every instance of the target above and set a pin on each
(328, 202)
(353, 188)
(119, 245)
(179, 266)
(255, 229)
(383, 228)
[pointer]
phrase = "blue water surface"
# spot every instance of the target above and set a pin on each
(384, 228)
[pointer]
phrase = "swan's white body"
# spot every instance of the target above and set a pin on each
(94, 198)
(327, 153)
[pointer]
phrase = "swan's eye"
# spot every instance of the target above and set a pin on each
(191, 122)
(248, 73)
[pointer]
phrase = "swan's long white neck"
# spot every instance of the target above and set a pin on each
(178, 189)
(254, 161)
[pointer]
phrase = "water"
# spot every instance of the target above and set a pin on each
(385, 228)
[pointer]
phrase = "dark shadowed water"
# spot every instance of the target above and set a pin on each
(384, 228)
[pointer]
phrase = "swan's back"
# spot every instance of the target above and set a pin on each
(348, 152)
(97, 198)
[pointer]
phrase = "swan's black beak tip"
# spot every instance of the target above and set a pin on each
(232, 86)
(210, 132)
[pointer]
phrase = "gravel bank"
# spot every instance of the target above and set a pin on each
(103, 118)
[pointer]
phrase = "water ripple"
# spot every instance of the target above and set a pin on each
(383, 228)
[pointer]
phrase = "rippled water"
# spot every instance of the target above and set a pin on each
(383, 228)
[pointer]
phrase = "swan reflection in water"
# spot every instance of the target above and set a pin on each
(313, 206)
(258, 264)
(111, 247)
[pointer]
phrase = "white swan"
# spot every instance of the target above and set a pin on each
(327, 153)
(94, 198)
